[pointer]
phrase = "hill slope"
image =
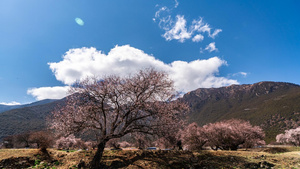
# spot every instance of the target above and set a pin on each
(272, 105)
(29, 118)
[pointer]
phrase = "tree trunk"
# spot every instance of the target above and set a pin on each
(95, 163)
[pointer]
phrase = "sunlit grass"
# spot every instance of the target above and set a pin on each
(7, 153)
(166, 159)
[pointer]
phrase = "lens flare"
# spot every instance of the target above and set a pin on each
(79, 21)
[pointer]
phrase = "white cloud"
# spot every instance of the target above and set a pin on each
(57, 92)
(244, 74)
(157, 13)
(216, 32)
(199, 73)
(200, 26)
(13, 103)
(198, 38)
(179, 31)
(79, 63)
(211, 47)
(176, 4)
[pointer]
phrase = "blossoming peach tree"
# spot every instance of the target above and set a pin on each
(115, 106)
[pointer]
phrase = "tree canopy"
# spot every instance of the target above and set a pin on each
(114, 106)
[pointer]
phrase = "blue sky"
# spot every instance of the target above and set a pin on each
(201, 43)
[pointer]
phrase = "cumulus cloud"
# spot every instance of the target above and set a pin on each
(198, 38)
(57, 92)
(211, 47)
(13, 103)
(79, 63)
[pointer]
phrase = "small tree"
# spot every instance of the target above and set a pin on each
(291, 136)
(171, 138)
(230, 134)
(141, 140)
(125, 144)
(69, 142)
(114, 143)
(194, 137)
(42, 139)
(116, 106)
(23, 139)
(9, 142)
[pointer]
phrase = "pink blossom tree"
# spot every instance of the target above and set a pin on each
(141, 140)
(116, 106)
(69, 142)
(291, 136)
(171, 138)
(194, 137)
(230, 134)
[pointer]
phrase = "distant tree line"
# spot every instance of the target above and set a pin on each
(225, 135)
(37, 139)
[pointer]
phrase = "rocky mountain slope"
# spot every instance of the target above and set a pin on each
(275, 106)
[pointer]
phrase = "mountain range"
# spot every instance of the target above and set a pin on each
(275, 106)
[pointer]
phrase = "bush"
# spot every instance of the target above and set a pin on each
(275, 150)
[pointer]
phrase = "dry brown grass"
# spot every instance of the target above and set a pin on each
(7, 153)
(280, 160)
(133, 159)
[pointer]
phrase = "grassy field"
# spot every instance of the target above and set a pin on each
(134, 159)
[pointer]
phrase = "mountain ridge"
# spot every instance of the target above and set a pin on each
(272, 105)
(4, 107)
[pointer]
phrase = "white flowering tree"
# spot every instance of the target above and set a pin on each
(291, 136)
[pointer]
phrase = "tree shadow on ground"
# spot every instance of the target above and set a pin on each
(177, 159)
